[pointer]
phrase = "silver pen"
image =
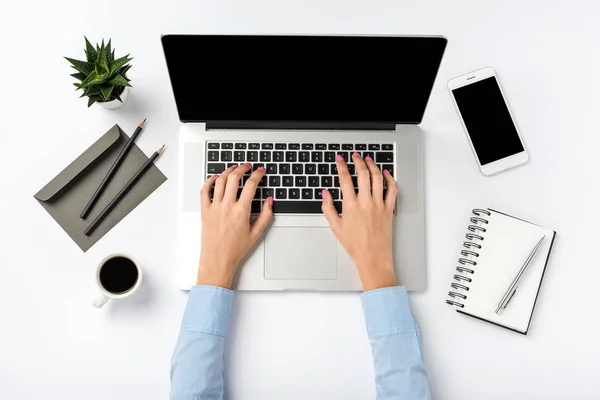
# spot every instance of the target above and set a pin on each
(510, 292)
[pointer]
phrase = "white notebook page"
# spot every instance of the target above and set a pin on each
(507, 244)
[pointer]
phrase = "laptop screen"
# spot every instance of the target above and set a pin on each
(302, 78)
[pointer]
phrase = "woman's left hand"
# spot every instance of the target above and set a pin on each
(227, 234)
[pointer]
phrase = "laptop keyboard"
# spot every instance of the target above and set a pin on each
(296, 173)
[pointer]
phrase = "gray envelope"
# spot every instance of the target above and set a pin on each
(65, 196)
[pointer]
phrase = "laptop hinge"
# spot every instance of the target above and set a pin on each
(375, 126)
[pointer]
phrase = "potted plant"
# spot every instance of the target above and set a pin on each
(103, 78)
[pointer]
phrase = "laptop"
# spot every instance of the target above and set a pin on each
(292, 104)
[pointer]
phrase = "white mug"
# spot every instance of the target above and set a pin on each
(120, 293)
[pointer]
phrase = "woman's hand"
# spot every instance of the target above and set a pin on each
(365, 229)
(227, 234)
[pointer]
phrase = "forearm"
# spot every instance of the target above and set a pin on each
(393, 332)
(197, 365)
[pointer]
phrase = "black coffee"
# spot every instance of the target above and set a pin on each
(118, 275)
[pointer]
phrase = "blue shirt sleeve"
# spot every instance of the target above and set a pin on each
(394, 336)
(197, 364)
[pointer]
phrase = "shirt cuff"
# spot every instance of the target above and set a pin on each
(208, 310)
(386, 311)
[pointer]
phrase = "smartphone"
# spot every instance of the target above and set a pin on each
(488, 123)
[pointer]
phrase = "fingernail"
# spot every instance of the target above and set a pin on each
(271, 201)
(324, 194)
(261, 168)
(247, 164)
(385, 171)
(234, 166)
(214, 175)
(368, 158)
(356, 154)
(339, 157)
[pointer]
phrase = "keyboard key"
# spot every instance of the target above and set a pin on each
(252, 156)
(351, 169)
(382, 157)
(343, 154)
(307, 146)
(288, 181)
(230, 164)
(374, 147)
(291, 156)
(335, 193)
(239, 193)
(226, 156)
(347, 146)
(267, 192)
(271, 168)
(360, 147)
(267, 146)
(316, 156)
(284, 168)
(300, 181)
(321, 146)
(213, 156)
(333, 146)
(258, 194)
(278, 156)
(389, 168)
(265, 156)
(355, 181)
(319, 194)
(334, 170)
(310, 169)
(294, 193)
(254, 146)
(280, 146)
(326, 181)
(307, 194)
(336, 181)
(213, 145)
(329, 156)
(323, 169)
(281, 193)
(388, 147)
(239, 156)
(302, 207)
(255, 209)
(227, 146)
(294, 146)
(245, 179)
(297, 169)
(240, 146)
(257, 166)
(368, 153)
(215, 168)
(313, 181)
(263, 181)
(274, 181)
(304, 156)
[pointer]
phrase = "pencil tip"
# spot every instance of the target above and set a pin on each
(160, 150)
(143, 123)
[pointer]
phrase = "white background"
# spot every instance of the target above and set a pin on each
(53, 344)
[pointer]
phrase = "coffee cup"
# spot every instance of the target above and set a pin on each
(118, 276)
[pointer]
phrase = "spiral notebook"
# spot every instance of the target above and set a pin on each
(495, 249)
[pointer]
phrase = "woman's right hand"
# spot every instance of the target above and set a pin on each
(365, 229)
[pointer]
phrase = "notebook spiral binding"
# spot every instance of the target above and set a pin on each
(467, 261)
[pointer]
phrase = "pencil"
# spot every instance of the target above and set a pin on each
(111, 171)
(123, 192)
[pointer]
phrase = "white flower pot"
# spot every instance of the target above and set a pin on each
(111, 105)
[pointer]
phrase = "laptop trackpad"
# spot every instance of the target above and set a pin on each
(300, 253)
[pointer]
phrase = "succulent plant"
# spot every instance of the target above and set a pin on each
(103, 78)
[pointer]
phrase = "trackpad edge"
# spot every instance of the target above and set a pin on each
(295, 253)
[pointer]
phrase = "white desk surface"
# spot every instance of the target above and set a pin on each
(53, 344)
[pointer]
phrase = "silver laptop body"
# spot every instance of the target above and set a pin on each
(299, 252)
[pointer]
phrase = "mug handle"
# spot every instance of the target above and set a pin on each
(100, 300)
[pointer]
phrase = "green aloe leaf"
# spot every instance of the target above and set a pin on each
(81, 66)
(79, 75)
(119, 80)
(109, 55)
(90, 52)
(102, 61)
(116, 95)
(77, 85)
(92, 79)
(106, 92)
(124, 70)
(92, 100)
(118, 63)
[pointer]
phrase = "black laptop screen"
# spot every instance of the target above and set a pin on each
(302, 78)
